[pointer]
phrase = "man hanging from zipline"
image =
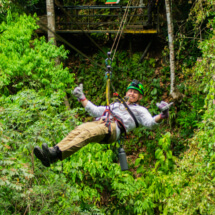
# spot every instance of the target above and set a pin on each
(111, 122)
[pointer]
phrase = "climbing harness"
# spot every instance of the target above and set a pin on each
(110, 117)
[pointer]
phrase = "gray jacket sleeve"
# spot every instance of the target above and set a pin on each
(93, 110)
(146, 119)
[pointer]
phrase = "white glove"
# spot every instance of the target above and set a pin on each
(164, 107)
(78, 93)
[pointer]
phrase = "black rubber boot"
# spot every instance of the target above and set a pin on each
(53, 154)
(40, 155)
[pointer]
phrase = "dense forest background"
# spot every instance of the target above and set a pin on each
(171, 168)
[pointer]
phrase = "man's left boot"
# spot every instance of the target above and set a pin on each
(53, 154)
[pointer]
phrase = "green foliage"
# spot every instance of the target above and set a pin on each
(28, 119)
(195, 173)
(4, 5)
(189, 122)
(164, 155)
(93, 166)
(17, 70)
(165, 184)
(32, 112)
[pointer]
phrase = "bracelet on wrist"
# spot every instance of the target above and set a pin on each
(81, 100)
(161, 116)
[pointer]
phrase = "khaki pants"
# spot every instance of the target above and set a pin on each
(86, 133)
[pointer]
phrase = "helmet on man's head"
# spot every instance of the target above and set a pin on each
(136, 85)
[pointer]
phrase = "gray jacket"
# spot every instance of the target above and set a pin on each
(142, 115)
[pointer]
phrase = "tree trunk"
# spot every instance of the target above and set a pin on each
(171, 46)
(51, 20)
(176, 95)
(51, 33)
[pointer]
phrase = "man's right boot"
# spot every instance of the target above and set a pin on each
(40, 155)
(53, 154)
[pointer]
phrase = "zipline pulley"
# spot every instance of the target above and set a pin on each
(108, 59)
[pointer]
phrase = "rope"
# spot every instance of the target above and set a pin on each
(108, 91)
(118, 36)
(119, 27)
(120, 30)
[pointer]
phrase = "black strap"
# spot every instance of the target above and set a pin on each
(126, 106)
(129, 110)
(107, 122)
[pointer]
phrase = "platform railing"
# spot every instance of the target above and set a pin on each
(105, 19)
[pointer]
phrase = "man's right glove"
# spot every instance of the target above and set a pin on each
(164, 107)
(78, 93)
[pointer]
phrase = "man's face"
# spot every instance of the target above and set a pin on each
(134, 96)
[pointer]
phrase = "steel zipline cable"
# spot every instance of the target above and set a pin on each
(120, 30)
(109, 60)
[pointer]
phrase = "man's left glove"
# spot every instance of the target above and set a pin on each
(164, 107)
(78, 93)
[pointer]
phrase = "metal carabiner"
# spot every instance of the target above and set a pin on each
(108, 60)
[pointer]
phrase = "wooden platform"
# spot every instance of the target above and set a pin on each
(95, 19)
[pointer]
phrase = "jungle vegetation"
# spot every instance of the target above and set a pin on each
(171, 168)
